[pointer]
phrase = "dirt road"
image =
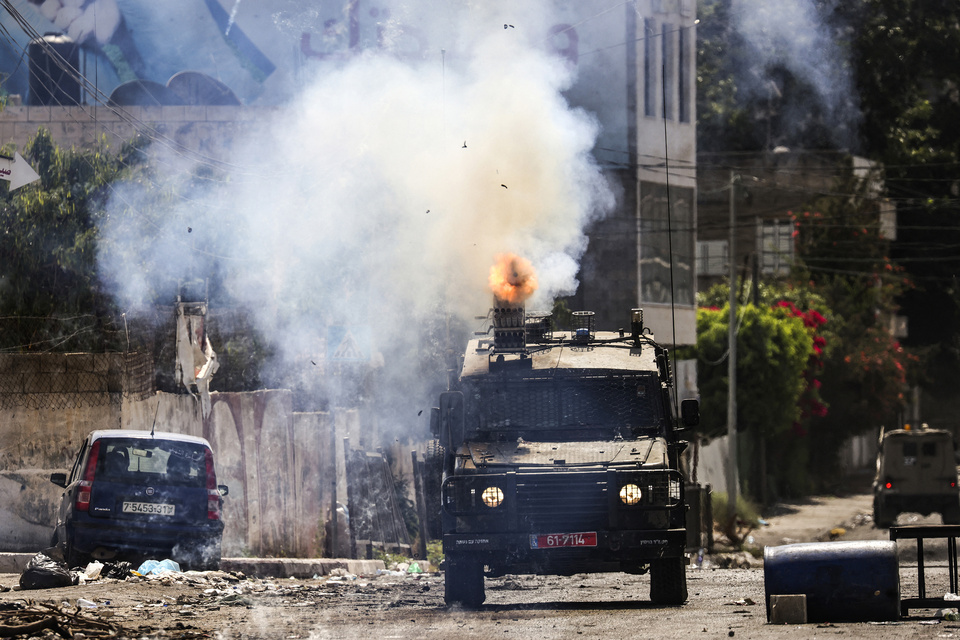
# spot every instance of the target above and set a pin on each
(723, 603)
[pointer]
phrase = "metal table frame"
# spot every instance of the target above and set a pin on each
(919, 533)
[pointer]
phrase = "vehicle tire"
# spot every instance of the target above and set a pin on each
(463, 581)
(951, 515)
(881, 515)
(73, 558)
(668, 581)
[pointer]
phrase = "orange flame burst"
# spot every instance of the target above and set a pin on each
(512, 278)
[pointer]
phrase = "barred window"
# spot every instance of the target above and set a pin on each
(713, 257)
(775, 246)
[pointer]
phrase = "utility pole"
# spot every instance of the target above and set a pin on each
(732, 364)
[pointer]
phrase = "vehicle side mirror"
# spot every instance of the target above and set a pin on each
(59, 479)
(690, 412)
(223, 489)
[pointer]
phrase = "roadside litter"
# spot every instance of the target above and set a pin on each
(157, 567)
(67, 622)
(47, 570)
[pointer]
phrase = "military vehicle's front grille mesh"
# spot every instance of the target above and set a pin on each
(548, 503)
(552, 403)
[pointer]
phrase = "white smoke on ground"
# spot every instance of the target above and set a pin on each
(381, 195)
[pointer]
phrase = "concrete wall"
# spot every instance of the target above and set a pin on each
(857, 455)
(281, 466)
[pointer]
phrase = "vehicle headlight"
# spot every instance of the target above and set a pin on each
(492, 496)
(630, 494)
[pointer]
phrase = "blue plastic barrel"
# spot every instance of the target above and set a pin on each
(851, 581)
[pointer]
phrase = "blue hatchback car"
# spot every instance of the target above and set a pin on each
(134, 495)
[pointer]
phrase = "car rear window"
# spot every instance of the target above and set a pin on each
(157, 461)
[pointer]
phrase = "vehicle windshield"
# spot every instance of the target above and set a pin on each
(150, 460)
(576, 407)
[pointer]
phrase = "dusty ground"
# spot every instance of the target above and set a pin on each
(723, 603)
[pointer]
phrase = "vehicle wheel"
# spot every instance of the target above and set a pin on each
(73, 558)
(463, 581)
(881, 515)
(668, 581)
(951, 515)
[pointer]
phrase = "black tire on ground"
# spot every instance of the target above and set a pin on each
(668, 581)
(463, 581)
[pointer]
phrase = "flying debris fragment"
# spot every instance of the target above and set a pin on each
(464, 145)
(504, 186)
(508, 25)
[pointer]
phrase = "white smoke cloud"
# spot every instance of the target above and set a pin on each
(384, 191)
(792, 34)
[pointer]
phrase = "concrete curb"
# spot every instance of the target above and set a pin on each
(254, 567)
(299, 567)
(14, 562)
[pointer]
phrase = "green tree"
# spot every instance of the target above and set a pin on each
(50, 294)
(902, 55)
(773, 349)
(908, 80)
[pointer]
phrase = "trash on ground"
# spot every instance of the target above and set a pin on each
(47, 570)
(67, 622)
(91, 571)
(117, 570)
(155, 567)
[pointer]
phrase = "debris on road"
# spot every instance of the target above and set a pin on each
(30, 618)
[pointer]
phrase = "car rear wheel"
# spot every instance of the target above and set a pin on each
(668, 581)
(73, 557)
(463, 581)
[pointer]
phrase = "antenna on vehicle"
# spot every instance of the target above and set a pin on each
(666, 173)
(153, 427)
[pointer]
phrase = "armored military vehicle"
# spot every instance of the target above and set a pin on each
(916, 472)
(562, 456)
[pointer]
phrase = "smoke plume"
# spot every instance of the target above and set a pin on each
(793, 35)
(379, 197)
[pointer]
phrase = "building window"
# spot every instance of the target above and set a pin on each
(683, 59)
(649, 69)
(775, 246)
(658, 282)
(712, 257)
(669, 90)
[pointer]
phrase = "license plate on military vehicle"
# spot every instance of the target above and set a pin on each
(554, 540)
(149, 508)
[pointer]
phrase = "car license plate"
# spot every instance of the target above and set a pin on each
(554, 540)
(149, 508)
